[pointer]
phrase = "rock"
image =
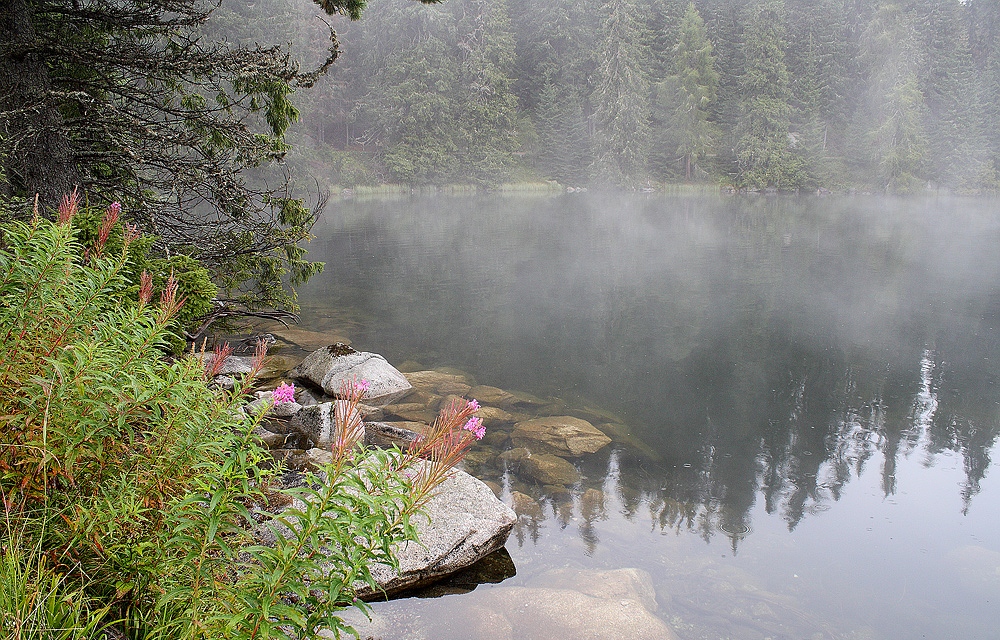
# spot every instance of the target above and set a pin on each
(331, 367)
(316, 458)
(522, 400)
(281, 410)
(303, 397)
(493, 417)
(439, 382)
(494, 487)
(269, 438)
(545, 468)
(525, 505)
(621, 434)
(275, 367)
(490, 395)
(316, 423)
(466, 523)
(410, 411)
(561, 435)
(369, 412)
(385, 435)
(515, 455)
(233, 365)
(227, 383)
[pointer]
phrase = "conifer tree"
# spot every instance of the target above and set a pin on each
(621, 98)
(762, 144)
(697, 83)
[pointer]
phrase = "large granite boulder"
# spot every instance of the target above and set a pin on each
(331, 367)
(465, 522)
(559, 435)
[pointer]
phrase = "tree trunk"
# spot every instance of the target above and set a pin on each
(41, 158)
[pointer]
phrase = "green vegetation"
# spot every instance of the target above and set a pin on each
(132, 497)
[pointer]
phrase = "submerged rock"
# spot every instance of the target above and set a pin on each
(331, 367)
(545, 468)
(465, 522)
(560, 435)
(440, 382)
(385, 435)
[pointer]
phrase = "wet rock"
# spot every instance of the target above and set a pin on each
(514, 456)
(369, 412)
(621, 434)
(561, 435)
(429, 400)
(331, 367)
(545, 468)
(290, 459)
(490, 395)
(494, 487)
(494, 417)
(520, 400)
(439, 382)
(410, 411)
(275, 367)
(495, 439)
(466, 523)
(316, 422)
(525, 505)
(385, 435)
(479, 457)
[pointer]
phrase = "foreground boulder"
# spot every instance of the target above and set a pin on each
(466, 523)
(331, 367)
(559, 435)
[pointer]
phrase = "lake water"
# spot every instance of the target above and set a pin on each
(807, 388)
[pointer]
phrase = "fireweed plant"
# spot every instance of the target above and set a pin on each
(134, 502)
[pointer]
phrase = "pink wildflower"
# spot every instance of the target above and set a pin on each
(361, 386)
(473, 405)
(475, 425)
(283, 393)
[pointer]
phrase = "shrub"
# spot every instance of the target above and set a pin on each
(138, 487)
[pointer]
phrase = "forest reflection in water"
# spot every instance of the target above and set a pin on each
(754, 355)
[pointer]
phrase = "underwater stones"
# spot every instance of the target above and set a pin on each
(493, 416)
(561, 435)
(486, 394)
(465, 522)
(331, 367)
(545, 468)
(410, 411)
(525, 505)
(439, 382)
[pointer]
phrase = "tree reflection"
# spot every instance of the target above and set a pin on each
(761, 349)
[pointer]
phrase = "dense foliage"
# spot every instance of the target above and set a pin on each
(131, 491)
(874, 94)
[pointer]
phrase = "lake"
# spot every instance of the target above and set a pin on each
(804, 391)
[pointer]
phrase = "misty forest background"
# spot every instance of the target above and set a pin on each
(789, 94)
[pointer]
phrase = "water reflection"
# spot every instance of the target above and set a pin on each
(744, 350)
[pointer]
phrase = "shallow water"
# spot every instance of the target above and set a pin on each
(805, 393)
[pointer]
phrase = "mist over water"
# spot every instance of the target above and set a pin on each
(809, 385)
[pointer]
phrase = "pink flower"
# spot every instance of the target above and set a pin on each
(473, 405)
(362, 386)
(475, 425)
(283, 393)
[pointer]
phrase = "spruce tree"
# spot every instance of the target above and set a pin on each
(697, 82)
(762, 142)
(621, 98)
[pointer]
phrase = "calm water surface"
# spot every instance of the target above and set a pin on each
(807, 388)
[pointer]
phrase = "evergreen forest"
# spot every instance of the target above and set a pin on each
(875, 95)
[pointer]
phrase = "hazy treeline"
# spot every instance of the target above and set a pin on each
(790, 94)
